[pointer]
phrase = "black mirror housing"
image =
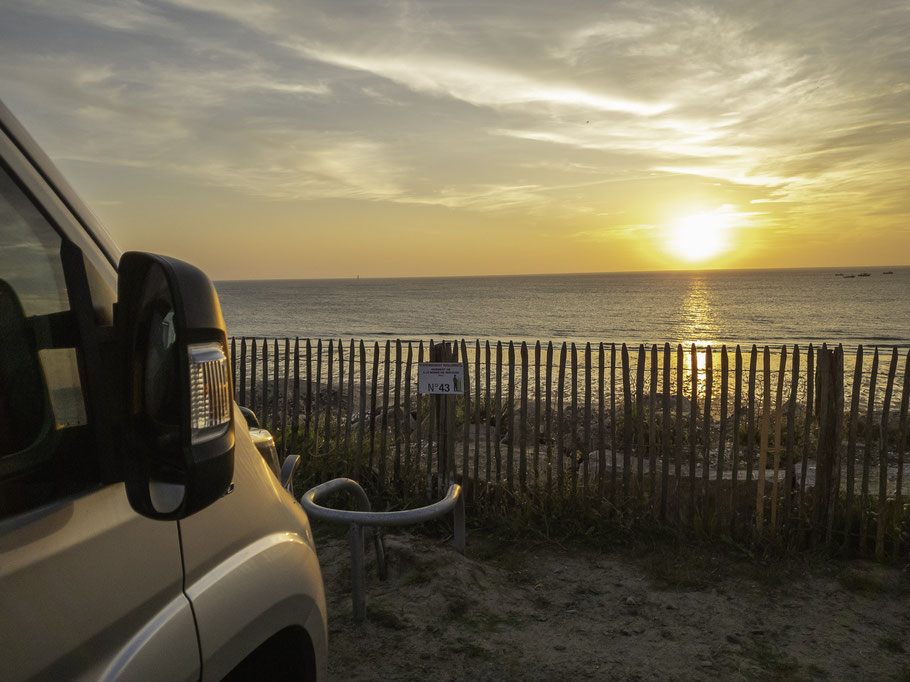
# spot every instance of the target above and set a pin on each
(178, 398)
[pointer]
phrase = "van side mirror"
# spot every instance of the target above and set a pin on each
(177, 394)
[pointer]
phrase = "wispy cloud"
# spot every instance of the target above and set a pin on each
(475, 83)
(286, 168)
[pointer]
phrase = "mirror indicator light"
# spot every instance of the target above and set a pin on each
(210, 395)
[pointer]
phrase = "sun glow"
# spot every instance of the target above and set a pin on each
(700, 236)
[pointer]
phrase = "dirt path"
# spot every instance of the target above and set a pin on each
(543, 613)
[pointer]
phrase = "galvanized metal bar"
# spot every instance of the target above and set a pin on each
(359, 520)
(370, 518)
(358, 574)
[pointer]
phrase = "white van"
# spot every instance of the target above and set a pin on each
(142, 536)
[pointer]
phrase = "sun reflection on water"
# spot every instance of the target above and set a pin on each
(698, 327)
(697, 318)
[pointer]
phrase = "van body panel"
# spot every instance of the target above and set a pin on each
(251, 552)
(158, 650)
(274, 584)
(82, 581)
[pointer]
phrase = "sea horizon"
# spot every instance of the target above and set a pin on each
(854, 269)
(761, 306)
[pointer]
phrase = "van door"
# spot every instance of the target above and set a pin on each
(88, 588)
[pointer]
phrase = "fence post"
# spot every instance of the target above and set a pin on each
(613, 447)
(466, 482)
(523, 420)
(778, 422)
(548, 415)
(488, 411)
(737, 418)
(284, 401)
(339, 407)
(407, 412)
(373, 385)
(586, 449)
(330, 364)
(361, 422)
(867, 456)
(678, 449)
(652, 433)
(706, 453)
(253, 360)
(601, 424)
(640, 447)
(308, 406)
(243, 371)
(573, 426)
(537, 414)
(265, 384)
(763, 442)
(834, 490)
(497, 409)
(396, 415)
(627, 426)
(883, 462)
(419, 435)
(719, 496)
(665, 447)
(473, 487)
(440, 353)
(276, 403)
(693, 433)
(807, 429)
(826, 454)
(851, 445)
(510, 447)
(295, 410)
(789, 481)
(560, 419)
(384, 421)
(901, 446)
(348, 449)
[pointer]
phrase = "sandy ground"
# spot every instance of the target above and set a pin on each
(538, 611)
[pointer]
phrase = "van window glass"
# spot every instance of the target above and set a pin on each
(44, 440)
(29, 253)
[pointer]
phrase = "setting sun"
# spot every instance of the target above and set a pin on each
(700, 236)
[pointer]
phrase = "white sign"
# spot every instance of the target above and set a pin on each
(440, 378)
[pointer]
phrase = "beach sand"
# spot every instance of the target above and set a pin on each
(538, 611)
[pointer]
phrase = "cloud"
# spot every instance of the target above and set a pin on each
(606, 234)
(286, 167)
(475, 83)
(481, 106)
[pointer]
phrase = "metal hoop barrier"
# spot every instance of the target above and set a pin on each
(366, 518)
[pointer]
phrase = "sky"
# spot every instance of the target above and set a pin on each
(390, 138)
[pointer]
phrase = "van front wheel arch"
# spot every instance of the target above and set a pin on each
(286, 655)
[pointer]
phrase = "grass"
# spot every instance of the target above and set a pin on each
(672, 559)
(774, 663)
(384, 615)
(465, 646)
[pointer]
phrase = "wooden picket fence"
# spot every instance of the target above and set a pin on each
(784, 444)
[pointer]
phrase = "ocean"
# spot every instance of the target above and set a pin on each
(764, 307)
